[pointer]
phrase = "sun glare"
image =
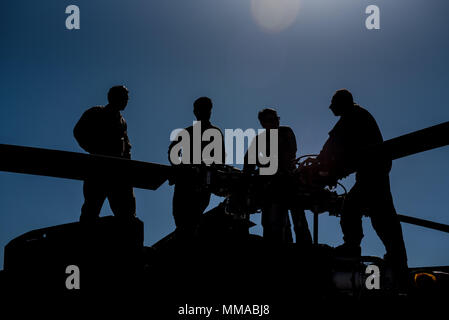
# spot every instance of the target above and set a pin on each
(274, 15)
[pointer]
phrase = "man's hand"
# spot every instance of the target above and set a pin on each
(313, 172)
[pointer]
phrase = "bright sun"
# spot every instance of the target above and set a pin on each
(275, 15)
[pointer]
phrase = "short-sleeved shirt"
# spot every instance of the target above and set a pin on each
(287, 149)
(101, 130)
(350, 139)
(205, 125)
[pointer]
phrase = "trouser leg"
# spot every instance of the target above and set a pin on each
(188, 206)
(276, 224)
(388, 227)
(351, 219)
(301, 226)
(122, 201)
(94, 196)
(386, 223)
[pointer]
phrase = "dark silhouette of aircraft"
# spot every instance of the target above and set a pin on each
(225, 262)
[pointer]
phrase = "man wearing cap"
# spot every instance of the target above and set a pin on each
(348, 149)
(102, 130)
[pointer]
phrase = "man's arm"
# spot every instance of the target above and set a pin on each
(223, 151)
(172, 144)
(127, 151)
(337, 157)
(175, 142)
(247, 166)
(82, 131)
(292, 146)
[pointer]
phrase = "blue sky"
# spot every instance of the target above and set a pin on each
(170, 52)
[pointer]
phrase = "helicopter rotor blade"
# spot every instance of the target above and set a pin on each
(419, 141)
(424, 223)
(79, 166)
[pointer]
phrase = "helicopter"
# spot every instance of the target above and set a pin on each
(224, 259)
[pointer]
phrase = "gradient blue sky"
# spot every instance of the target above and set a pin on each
(170, 52)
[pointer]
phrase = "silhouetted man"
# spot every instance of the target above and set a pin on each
(346, 151)
(275, 219)
(102, 130)
(190, 198)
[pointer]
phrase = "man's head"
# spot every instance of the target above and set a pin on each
(342, 101)
(202, 108)
(118, 97)
(268, 118)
